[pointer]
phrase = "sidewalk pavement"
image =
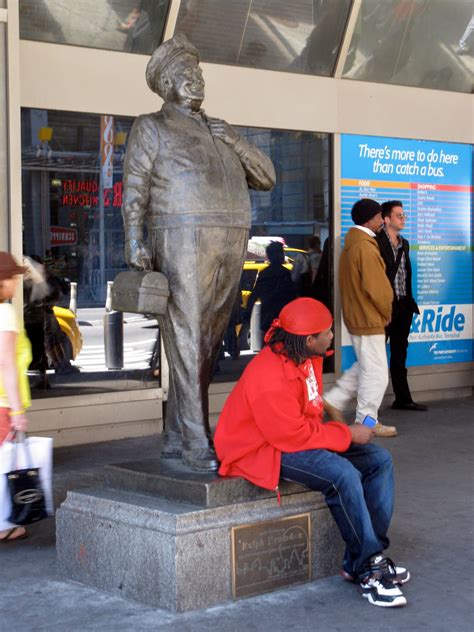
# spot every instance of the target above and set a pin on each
(431, 533)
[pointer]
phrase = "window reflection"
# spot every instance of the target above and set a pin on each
(424, 43)
(300, 36)
(297, 215)
(73, 235)
(72, 231)
(126, 25)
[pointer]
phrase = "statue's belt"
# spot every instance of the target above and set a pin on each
(221, 219)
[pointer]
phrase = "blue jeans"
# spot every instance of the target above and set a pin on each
(358, 487)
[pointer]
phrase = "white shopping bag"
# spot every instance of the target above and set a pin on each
(39, 453)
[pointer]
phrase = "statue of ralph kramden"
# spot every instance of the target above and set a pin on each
(186, 176)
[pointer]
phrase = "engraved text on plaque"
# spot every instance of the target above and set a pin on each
(270, 555)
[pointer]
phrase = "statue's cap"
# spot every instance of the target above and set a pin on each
(165, 54)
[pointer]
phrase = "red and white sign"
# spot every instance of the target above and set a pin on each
(63, 236)
(85, 193)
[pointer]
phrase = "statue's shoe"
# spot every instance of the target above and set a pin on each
(201, 459)
(172, 446)
(171, 452)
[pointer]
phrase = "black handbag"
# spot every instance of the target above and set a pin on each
(27, 497)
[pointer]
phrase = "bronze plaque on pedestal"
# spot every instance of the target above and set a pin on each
(271, 555)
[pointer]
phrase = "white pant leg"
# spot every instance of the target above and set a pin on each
(345, 388)
(371, 355)
(367, 379)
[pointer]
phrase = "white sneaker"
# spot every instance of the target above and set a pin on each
(393, 574)
(380, 592)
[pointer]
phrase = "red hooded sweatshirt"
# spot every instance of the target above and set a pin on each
(275, 407)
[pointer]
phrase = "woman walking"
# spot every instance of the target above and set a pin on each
(15, 357)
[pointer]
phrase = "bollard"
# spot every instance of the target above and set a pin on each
(73, 298)
(256, 336)
(113, 340)
(113, 333)
(108, 300)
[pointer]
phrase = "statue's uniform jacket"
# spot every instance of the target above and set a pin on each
(177, 173)
(191, 190)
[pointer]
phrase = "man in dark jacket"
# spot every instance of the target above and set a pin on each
(395, 252)
(274, 287)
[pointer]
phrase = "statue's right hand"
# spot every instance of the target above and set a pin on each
(137, 255)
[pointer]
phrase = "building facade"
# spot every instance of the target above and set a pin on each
(349, 98)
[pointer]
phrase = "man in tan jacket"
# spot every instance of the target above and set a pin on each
(367, 298)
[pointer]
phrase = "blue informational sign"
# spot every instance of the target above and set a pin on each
(434, 182)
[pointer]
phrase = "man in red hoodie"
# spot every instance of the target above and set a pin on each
(271, 427)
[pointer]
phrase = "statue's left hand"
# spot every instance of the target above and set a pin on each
(221, 129)
(137, 255)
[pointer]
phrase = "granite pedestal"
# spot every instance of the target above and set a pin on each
(160, 535)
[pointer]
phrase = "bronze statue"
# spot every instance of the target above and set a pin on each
(186, 177)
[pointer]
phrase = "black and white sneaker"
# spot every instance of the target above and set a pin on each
(380, 592)
(396, 574)
(383, 566)
(391, 573)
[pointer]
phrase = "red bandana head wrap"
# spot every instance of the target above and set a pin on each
(303, 316)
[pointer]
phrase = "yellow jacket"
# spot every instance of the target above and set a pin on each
(366, 292)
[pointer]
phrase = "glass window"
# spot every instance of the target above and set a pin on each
(72, 227)
(73, 234)
(424, 43)
(297, 212)
(300, 36)
(134, 26)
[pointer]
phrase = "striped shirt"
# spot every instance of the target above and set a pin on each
(400, 282)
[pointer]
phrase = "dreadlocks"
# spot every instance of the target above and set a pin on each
(291, 345)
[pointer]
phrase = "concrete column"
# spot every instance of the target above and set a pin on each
(4, 221)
